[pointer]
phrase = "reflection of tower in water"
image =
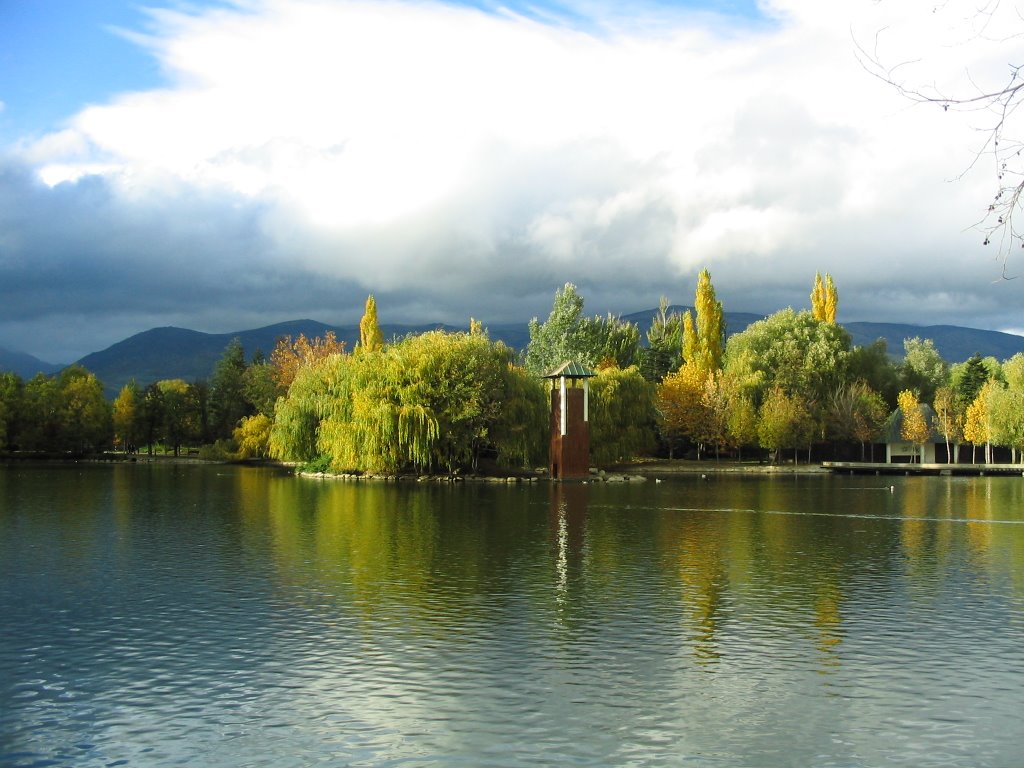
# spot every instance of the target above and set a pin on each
(568, 524)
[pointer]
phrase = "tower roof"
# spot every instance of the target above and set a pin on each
(570, 370)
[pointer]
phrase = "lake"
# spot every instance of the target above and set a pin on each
(228, 616)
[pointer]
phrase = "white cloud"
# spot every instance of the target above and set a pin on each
(445, 152)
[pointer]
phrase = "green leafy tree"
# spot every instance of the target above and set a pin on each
(855, 412)
(1006, 405)
(793, 351)
(873, 365)
(259, 387)
(85, 412)
(783, 422)
(151, 415)
(41, 423)
(125, 415)
(297, 415)
(567, 335)
(180, 413)
(12, 390)
(923, 369)
(742, 421)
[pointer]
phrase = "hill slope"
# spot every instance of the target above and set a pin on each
(171, 353)
(25, 365)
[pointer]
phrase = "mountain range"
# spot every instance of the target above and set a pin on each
(169, 353)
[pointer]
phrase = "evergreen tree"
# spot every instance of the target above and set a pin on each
(970, 378)
(664, 351)
(228, 403)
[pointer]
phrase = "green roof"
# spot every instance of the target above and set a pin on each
(570, 370)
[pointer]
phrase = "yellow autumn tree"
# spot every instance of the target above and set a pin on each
(710, 324)
(914, 427)
(125, 416)
(824, 299)
(370, 337)
(253, 436)
(680, 404)
(290, 356)
(978, 421)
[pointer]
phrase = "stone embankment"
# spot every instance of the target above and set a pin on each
(596, 476)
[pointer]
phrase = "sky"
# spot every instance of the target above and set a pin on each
(227, 165)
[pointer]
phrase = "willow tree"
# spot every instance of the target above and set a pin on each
(621, 414)
(297, 414)
(432, 401)
(824, 299)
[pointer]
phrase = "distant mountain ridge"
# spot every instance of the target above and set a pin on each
(25, 365)
(172, 353)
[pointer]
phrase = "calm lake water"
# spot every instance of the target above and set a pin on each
(222, 616)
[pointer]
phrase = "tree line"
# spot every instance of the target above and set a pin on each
(443, 401)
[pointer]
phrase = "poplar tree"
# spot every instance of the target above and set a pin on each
(690, 346)
(824, 299)
(710, 324)
(370, 337)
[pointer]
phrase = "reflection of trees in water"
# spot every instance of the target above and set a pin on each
(750, 559)
(780, 556)
(703, 577)
(946, 520)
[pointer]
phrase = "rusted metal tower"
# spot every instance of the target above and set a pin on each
(570, 422)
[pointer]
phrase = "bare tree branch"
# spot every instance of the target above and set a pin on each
(1000, 223)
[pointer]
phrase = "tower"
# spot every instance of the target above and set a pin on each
(570, 417)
